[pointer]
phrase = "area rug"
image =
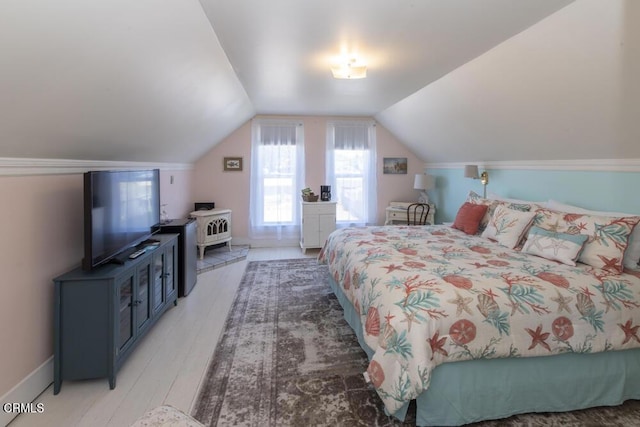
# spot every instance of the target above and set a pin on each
(288, 358)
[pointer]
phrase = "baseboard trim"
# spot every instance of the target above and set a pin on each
(25, 166)
(601, 165)
(265, 243)
(28, 389)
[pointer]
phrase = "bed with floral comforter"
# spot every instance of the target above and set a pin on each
(427, 296)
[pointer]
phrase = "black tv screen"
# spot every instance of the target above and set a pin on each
(121, 210)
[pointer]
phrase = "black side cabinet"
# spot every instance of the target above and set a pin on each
(100, 315)
(187, 252)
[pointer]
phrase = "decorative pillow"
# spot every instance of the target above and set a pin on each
(474, 197)
(469, 216)
(562, 247)
(477, 199)
(549, 219)
(507, 226)
(608, 239)
(608, 236)
(494, 196)
(492, 204)
(631, 254)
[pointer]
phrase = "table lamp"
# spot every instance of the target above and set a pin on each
(423, 182)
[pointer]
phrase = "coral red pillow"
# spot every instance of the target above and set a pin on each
(469, 217)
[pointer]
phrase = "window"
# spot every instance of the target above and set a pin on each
(277, 176)
(351, 170)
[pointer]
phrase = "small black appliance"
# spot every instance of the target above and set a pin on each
(325, 193)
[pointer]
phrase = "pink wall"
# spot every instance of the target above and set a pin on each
(231, 189)
(228, 190)
(42, 224)
(395, 187)
(42, 237)
(176, 192)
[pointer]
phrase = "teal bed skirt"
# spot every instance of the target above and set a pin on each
(476, 390)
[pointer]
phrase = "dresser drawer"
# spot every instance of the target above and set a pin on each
(398, 214)
(319, 208)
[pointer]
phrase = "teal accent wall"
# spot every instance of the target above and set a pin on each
(607, 191)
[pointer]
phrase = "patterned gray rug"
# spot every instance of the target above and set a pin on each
(288, 358)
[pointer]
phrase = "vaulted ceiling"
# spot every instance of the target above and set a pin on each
(166, 80)
(282, 50)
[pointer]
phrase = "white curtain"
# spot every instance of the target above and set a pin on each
(277, 176)
(351, 170)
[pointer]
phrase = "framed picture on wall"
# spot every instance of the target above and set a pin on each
(232, 164)
(394, 165)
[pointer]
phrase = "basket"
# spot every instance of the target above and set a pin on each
(310, 198)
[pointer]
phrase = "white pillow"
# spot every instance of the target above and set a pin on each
(561, 247)
(631, 254)
(494, 196)
(507, 226)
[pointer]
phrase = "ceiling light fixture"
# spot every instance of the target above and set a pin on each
(351, 69)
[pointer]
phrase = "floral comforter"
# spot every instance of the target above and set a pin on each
(430, 295)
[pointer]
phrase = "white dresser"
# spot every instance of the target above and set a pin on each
(318, 221)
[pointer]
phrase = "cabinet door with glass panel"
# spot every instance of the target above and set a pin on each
(170, 269)
(143, 295)
(158, 291)
(164, 283)
(125, 314)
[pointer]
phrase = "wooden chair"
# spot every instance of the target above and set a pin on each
(417, 213)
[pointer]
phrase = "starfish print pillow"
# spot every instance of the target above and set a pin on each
(561, 247)
(608, 236)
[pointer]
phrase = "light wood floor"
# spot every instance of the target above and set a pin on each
(168, 364)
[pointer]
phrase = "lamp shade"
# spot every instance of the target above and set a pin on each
(423, 182)
(471, 171)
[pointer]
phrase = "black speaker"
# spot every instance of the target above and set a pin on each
(204, 206)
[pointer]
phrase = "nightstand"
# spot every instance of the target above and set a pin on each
(318, 221)
(397, 213)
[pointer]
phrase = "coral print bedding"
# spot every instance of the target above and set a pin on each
(432, 295)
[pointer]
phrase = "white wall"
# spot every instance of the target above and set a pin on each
(143, 80)
(566, 88)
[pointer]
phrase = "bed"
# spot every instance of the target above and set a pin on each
(473, 329)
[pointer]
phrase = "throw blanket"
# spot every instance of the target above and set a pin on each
(430, 295)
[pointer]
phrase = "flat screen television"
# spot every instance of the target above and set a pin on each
(121, 210)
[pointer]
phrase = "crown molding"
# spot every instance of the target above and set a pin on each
(25, 166)
(600, 165)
